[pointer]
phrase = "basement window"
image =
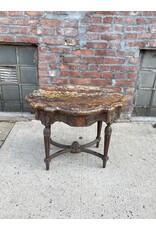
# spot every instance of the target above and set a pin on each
(18, 76)
(145, 98)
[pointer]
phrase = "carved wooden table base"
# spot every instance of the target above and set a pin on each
(77, 106)
(76, 147)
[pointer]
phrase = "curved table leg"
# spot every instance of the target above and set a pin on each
(46, 133)
(99, 127)
(108, 131)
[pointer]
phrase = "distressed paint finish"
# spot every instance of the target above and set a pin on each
(76, 106)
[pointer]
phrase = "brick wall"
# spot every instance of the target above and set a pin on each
(91, 48)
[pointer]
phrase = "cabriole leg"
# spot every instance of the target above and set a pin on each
(108, 131)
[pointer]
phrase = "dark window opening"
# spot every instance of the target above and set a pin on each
(145, 98)
(18, 76)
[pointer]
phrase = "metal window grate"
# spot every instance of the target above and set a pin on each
(8, 75)
(145, 98)
(18, 76)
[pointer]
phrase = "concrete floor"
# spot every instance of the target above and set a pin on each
(76, 186)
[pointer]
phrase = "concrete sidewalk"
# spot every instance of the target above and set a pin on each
(76, 186)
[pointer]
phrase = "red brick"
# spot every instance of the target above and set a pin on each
(69, 67)
(104, 68)
(27, 39)
(26, 22)
(4, 13)
(53, 65)
(93, 60)
(64, 67)
(43, 65)
(111, 36)
(128, 68)
(59, 81)
(125, 83)
(115, 68)
(73, 67)
(91, 74)
(83, 67)
(97, 20)
(130, 21)
(69, 74)
(106, 12)
(132, 75)
(43, 73)
(118, 28)
(136, 43)
(6, 39)
(120, 54)
(44, 80)
(86, 19)
(80, 81)
(43, 49)
(114, 45)
(97, 45)
(50, 22)
(141, 21)
(6, 21)
(98, 28)
(34, 13)
(68, 32)
(118, 20)
(107, 74)
(71, 60)
(104, 53)
(61, 50)
(131, 35)
(149, 13)
(73, 24)
(53, 41)
(93, 67)
(93, 36)
(15, 13)
(51, 31)
(47, 57)
(133, 60)
(83, 52)
(107, 20)
(120, 75)
(3, 29)
(100, 82)
(19, 30)
(71, 42)
(114, 61)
